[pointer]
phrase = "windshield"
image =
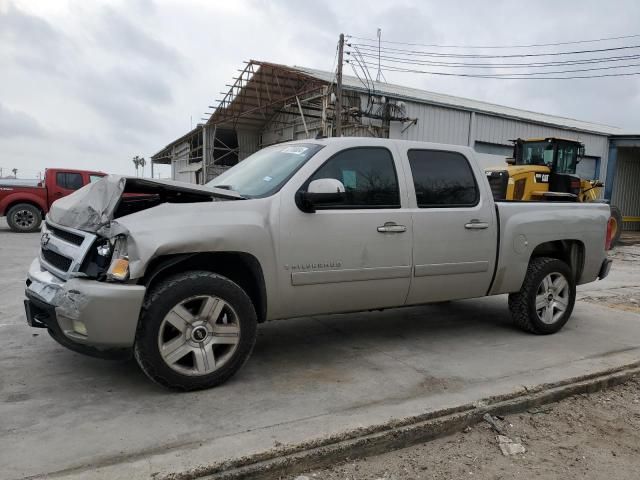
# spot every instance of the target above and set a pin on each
(263, 173)
(567, 158)
(537, 153)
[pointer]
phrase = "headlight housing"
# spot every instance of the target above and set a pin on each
(119, 267)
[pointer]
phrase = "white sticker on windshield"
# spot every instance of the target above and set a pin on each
(295, 150)
(267, 178)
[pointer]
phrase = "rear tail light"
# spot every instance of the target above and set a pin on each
(609, 237)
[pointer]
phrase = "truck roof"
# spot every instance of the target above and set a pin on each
(74, 170)
(364, 141)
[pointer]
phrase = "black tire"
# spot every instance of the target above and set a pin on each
(24, 218)
(616, 214)
(171, 292)
(522, 304)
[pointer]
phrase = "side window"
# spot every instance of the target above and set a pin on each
(94, 178)
(74, 181)
(61, 179)
(71, 181)
(369, 178)
(442, 179)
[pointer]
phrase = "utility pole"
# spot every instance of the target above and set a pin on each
(338, 113)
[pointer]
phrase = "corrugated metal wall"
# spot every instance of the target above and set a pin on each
(277, 132)
(181, 167)
(435, 124)
(248, 143)
(500, 130)
(626, 186)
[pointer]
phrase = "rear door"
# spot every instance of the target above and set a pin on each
(351, 255)
(454, 227)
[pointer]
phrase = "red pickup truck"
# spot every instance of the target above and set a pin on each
(25, 206)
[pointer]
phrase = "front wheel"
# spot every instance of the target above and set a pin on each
(24, 218)
(197, 329)
(545, 302)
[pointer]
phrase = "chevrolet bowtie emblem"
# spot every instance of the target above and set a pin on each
(44, 240)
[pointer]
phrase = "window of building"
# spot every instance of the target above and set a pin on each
(442, 179)
(368, 175)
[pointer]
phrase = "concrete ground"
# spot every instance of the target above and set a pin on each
(65, 415)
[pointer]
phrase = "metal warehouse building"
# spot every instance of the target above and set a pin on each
(270, 103)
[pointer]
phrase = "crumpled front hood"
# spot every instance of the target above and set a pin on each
(90, 207)
(94, 206)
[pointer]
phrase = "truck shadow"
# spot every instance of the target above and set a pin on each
(319, 349)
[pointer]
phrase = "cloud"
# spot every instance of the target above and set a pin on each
(117, 33)
(32, 42)
(14, 123)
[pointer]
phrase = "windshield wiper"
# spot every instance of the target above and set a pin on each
(230, 188)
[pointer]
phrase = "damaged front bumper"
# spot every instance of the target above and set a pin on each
(84, 315)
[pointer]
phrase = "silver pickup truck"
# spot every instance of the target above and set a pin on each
(182, 274)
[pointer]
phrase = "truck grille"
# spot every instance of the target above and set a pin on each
(60, 262)
(498, 181)
(65, 235)
(63, 249)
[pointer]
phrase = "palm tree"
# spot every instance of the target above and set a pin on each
(15, 172)
(139, 162)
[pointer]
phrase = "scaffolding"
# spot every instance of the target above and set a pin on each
(268, 103)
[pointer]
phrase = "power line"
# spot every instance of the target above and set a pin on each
(373, 49)
(509, 76)
(562, 71)
(409, 61)
(433, 45)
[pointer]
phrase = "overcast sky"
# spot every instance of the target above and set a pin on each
(90, 84)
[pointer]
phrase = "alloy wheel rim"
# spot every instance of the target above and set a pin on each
(552, 298)
(199, 335)
(24, 218)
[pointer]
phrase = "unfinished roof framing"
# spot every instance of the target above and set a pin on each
(260, 92)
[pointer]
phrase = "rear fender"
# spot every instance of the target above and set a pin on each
(22, 197)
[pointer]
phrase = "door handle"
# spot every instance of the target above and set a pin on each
(476, 225)
(392, 227)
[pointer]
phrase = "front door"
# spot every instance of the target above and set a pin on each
(65, 184)
(454, 227)
(351, 255)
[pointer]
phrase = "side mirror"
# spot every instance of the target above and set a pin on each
(321, 191)
(510, 161)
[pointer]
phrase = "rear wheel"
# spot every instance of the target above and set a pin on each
(196, 331)
(545, 302)
(24, 218)
(616, 225)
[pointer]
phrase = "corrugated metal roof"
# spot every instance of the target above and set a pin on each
(425, 96)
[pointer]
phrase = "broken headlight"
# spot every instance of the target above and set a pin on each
(119, 267)
(104, 248)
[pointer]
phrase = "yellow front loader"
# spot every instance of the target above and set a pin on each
(544, 169)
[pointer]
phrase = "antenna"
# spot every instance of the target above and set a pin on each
(379, 70)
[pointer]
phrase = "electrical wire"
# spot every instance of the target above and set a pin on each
(369, 86)
(408, 61)
(509, 76)
(371, 49)
(532, 45)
